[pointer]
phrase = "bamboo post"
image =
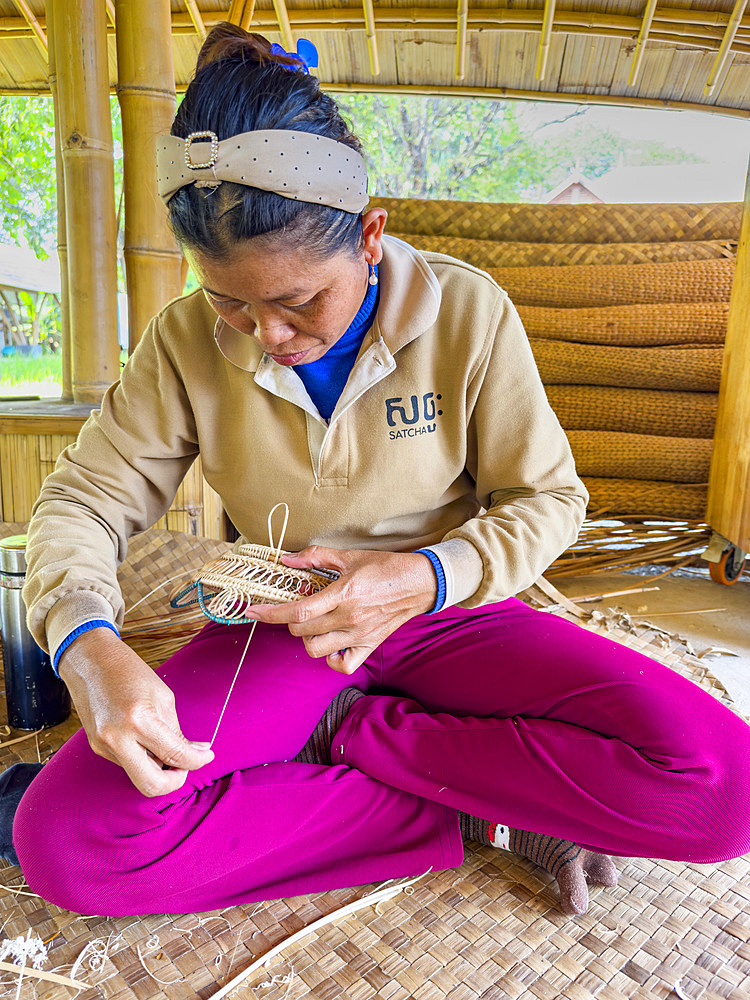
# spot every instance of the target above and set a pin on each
(547, 19)
(640, 45)
(282, 15)
(372, 38)
(725, 49)
(196, 17)
(30, 18)
(463, 16)
(62, 241)
(729, 484)
(247, 15)
(146, 93)
(86, 141)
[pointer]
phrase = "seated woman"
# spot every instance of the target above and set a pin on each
(391, 399)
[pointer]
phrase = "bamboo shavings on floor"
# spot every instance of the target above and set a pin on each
(385, 892)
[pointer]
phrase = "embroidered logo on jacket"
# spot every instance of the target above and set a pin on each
(413, 416)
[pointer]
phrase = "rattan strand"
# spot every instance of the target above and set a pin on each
(564, 223)
(488, 253)
(631, 325)
(647, 497)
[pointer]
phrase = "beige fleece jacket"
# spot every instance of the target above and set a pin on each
(443, 437)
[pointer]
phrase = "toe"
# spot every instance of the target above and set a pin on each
(599, 868)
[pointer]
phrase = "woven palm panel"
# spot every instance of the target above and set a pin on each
(489, 929)
(617, 284)
(527, 223)
(487, 253)
(631, 325)
(695, 369)
(634, 411)
(647, 497)
(641, 456)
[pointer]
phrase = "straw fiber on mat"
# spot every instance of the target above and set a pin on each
(489, 929)
(646, 497)
(617, 284)
(641, 456)
(529, 223)
(488, 253)
(634, 411)
(692, 368)
(632, 325)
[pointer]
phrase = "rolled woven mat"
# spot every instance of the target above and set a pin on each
(634, 325)
(635, 411)
(489, 253)
(647, 497)
(618, 284)
(611, 454)
(564, 223)
(691, 368)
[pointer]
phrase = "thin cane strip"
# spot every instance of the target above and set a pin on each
(234, 681)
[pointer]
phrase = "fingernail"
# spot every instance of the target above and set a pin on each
(201, 746)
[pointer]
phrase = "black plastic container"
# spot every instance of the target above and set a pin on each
(36, 696)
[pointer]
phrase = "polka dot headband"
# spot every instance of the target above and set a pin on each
(296, 165)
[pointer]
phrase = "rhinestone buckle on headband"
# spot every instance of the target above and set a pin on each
(213, 156)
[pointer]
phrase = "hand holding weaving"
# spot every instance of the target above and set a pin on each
(374, 594)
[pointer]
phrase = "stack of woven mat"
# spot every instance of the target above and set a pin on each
(489, 930)
(626, 309)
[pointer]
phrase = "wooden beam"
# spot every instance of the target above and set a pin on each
(372, 41)
(725, 49)
(461, 31)
(549, 16)
(31, 19)
(86, 140)
(197, 18)
(640, 45)
(729, 483)
(146, 92)
(282, 16)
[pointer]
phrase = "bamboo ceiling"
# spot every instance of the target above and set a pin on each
(633, 52)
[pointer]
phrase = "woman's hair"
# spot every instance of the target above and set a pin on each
(240, 86)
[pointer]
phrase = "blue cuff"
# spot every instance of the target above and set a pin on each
(86, 627)
(440, 574)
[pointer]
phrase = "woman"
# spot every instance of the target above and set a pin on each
(391, 399)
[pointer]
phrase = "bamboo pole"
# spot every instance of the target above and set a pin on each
(640, 46)
(31, 19)
(461, 31)
(146, 93)
(247, 15)
(372, 40)
(111, 12)
(725, 49)
(236, 9)
(548, 18)
(282, 16)
(62, 240)
(195, 16)
(729, 483)
(86, 140)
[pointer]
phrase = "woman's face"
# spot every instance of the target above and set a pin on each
(295, 306)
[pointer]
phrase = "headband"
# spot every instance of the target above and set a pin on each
(297, 165)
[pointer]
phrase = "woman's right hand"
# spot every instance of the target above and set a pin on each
(128, 712)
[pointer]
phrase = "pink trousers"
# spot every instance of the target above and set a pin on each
(504, 712)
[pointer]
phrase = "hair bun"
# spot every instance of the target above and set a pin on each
(229, 41)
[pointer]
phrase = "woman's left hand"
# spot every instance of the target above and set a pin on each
(376, 593)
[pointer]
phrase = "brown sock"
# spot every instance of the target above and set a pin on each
(317, 750)
(570, 864)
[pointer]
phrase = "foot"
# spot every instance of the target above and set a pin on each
(572, 866)
(317, 750)
(13, 783)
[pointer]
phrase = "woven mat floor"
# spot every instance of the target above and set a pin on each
(490, 929)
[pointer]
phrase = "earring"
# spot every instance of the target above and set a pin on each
(373, 279)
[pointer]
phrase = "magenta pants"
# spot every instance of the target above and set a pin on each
(504, 712)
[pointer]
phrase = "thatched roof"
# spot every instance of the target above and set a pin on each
(588, 46)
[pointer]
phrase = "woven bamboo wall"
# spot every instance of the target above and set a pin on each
(29, 454)
(626, 311)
